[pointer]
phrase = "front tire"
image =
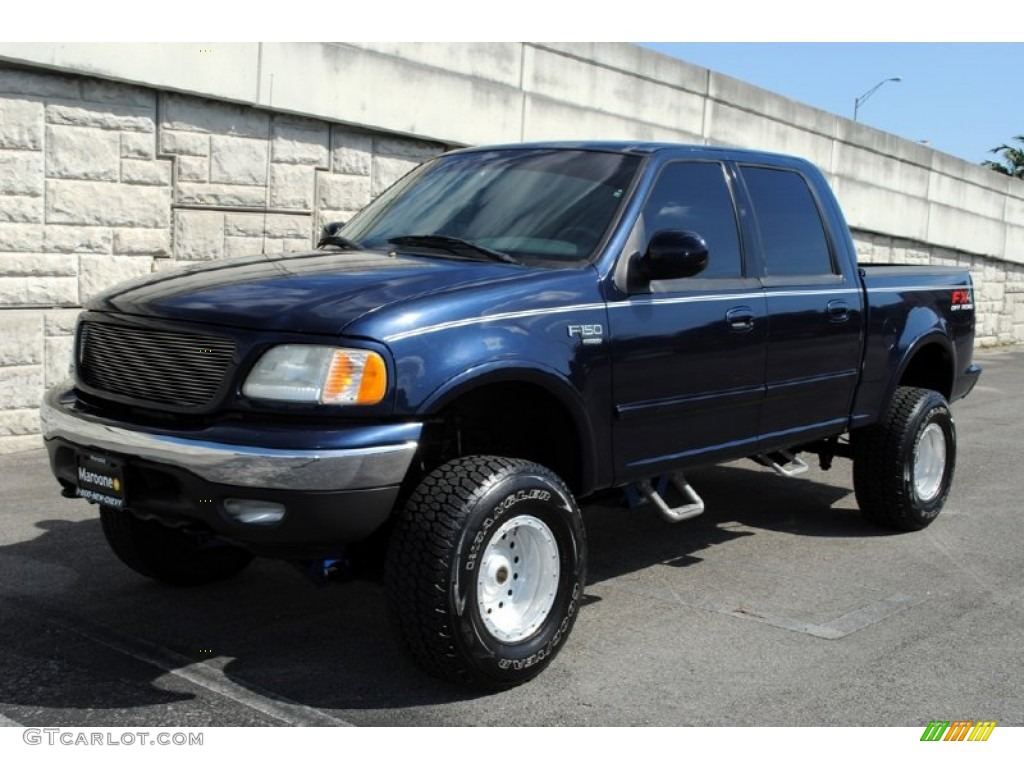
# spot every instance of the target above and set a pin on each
(485, 571)
(169, 555)
(903, 466)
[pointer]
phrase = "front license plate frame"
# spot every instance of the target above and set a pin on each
(100, 479)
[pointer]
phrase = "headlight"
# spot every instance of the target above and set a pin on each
(307, 374)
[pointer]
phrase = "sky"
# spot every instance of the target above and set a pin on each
(962, 98)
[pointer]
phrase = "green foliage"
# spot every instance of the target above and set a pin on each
(1013, 158)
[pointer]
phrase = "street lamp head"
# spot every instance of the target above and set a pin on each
(867, 95)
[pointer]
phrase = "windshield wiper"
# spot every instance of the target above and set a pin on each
(455, 245)
(341, 242)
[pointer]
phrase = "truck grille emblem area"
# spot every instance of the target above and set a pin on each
(180, 369)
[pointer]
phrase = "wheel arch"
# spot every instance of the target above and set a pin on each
(527, 388)
(928, 363)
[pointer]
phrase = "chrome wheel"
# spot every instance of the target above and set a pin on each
(929, 462)
(518, 579)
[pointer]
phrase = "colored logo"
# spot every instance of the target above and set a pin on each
(961, 300)
(958, 730)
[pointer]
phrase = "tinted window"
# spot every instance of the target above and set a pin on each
(695, 197)
(791, 231)
(542, 206)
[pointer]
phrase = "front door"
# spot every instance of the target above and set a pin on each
(688, 354)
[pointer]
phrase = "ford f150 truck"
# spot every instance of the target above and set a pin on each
(504, 331)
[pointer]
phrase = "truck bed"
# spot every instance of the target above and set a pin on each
(911, 305)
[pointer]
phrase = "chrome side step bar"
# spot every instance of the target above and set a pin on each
(693, 507)
(784, 463)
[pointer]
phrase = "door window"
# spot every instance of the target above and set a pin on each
(792, 234)
(695, 197)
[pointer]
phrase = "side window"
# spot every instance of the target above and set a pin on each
(791, 230)
(695, 196)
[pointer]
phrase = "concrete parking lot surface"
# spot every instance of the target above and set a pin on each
(779, 606)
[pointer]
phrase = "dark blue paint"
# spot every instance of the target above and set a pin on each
(731, 368)
(319, 292)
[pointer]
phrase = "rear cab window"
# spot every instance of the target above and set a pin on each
(792, 233)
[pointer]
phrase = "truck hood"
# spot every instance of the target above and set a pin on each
(319, 292)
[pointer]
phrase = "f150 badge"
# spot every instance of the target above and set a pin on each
(588, 334)
(961, 300)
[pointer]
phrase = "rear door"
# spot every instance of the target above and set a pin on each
(814, 309)
(688, 354)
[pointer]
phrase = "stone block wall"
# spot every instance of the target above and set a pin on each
(102, 181)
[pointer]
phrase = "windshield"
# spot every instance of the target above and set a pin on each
(544, 207)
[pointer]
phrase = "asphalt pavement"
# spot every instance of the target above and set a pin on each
(779, 606)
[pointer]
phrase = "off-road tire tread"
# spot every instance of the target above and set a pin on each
(878, 462)
(419, 561)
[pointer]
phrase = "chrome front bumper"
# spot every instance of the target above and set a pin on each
(238, 465)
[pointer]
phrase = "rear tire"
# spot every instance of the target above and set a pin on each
(485, 571)
(903, 466)
(168, 554)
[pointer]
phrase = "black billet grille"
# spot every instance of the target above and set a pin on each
(180, 369)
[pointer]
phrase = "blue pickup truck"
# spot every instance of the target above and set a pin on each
(503, 332)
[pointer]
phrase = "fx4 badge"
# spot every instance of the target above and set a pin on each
(588, 334)
(961, 300)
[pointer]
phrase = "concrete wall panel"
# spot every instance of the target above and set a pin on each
(377, 91)
(959, 169)
(780, 109)
(553, 120)
(731, 126)
(881, 210)
(954, 227)
(1013, 213)
(567, 80)
(970, 198)
(853, 162)
(637, 61)
(1013, 246)
(497, 62)
(886, 144)
(226, 70)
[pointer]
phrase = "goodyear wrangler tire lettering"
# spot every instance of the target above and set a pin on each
(552, 645)
(518, 496)
(485, 570)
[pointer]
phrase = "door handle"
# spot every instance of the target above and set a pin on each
(740, 319)
(838, 311)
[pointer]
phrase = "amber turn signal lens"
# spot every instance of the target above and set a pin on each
(375, 380)
(357, 377)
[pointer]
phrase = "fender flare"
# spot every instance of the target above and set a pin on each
(935, 337)
(514, 371)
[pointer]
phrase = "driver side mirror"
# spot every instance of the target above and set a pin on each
(672, 254)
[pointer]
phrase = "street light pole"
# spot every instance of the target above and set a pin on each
(861, 99)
